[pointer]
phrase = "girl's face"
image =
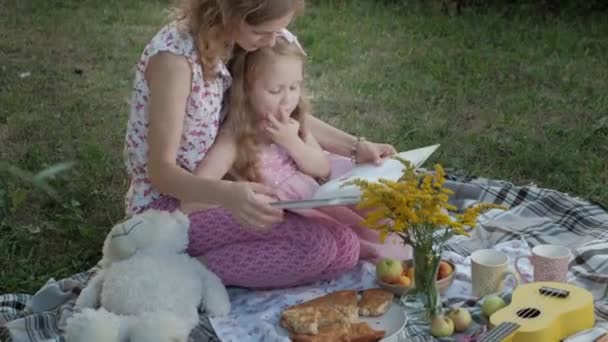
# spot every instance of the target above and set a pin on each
(251, 38)
(276, 88)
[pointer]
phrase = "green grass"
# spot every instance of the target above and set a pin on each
(520, 99)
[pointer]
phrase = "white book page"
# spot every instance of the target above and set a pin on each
(390, 169)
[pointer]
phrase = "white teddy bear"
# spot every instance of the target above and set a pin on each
(148, 289)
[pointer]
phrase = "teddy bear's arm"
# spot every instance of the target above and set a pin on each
(89, 296)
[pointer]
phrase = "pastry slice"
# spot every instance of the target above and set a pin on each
(362, 332)
(329, 333)
(303, 320)
(310, 316)
(339, 306)
(374, 302)
(357, 332)
(345, 302)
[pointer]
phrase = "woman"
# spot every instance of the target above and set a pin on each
(175, 116)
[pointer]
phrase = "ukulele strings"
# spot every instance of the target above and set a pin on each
(505, 329)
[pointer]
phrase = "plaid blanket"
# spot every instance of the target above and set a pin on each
(535, 215)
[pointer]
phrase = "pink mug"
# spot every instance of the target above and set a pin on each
(549, 263)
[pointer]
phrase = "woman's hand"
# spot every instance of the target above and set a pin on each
(249, 204)
(283, 130)
(370, 152)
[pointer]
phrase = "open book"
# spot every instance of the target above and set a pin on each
(334, 193)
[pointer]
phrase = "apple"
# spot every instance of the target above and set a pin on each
(410, 273)
(442, 326)
(404, 281)
(461, 318)
(491, 304)
(445, 269)
(389, 270)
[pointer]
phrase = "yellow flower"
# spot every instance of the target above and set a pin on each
(415, 206)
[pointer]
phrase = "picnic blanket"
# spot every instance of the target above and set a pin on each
(535, 216)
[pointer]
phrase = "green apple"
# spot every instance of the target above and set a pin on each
(389, 270)
(461, 318)
(491, 304)
(442, 326)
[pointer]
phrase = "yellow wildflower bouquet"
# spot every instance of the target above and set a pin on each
(416, 208)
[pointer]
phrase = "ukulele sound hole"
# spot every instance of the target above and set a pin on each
(528, 313)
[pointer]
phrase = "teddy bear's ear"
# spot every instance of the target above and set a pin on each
(118, 244)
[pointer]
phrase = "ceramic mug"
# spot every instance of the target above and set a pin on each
(549, 263)
(489, 271)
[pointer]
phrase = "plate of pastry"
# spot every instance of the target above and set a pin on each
(347, 315)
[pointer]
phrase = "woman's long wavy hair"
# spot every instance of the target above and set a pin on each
(244, 122)
(212, 23)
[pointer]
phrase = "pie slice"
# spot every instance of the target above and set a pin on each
(309, 317)
(335, 317)
(356, 332)
(332, 332)
(374, 302)
(303, 320)
(343, 301)
(362, 332)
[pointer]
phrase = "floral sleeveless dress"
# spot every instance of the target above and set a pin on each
(201, 122)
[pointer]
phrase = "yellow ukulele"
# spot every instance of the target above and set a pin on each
(542, 312)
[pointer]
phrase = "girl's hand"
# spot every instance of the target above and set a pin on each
(282, 131)
(249, 205)
(370, 152)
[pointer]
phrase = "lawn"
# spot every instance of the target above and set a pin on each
(520, 98)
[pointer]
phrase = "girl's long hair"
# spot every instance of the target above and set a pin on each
(242, 119)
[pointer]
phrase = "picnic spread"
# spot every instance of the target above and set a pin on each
(534, 217)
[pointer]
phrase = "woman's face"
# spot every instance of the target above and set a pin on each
(251, 38)
(277, 86)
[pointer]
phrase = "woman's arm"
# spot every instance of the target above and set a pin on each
(330, 138)
(339, 142)
(168, 78)
(215, 165)
(219, 159)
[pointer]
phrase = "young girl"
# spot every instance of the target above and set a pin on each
(175, 117)
(266, 139)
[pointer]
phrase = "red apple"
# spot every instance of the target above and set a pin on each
(445, 269)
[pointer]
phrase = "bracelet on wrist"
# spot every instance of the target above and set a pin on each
(353, 151)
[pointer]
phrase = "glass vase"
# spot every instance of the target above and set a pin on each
(423, 301)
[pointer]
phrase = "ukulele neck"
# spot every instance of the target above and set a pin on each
(502, 331)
